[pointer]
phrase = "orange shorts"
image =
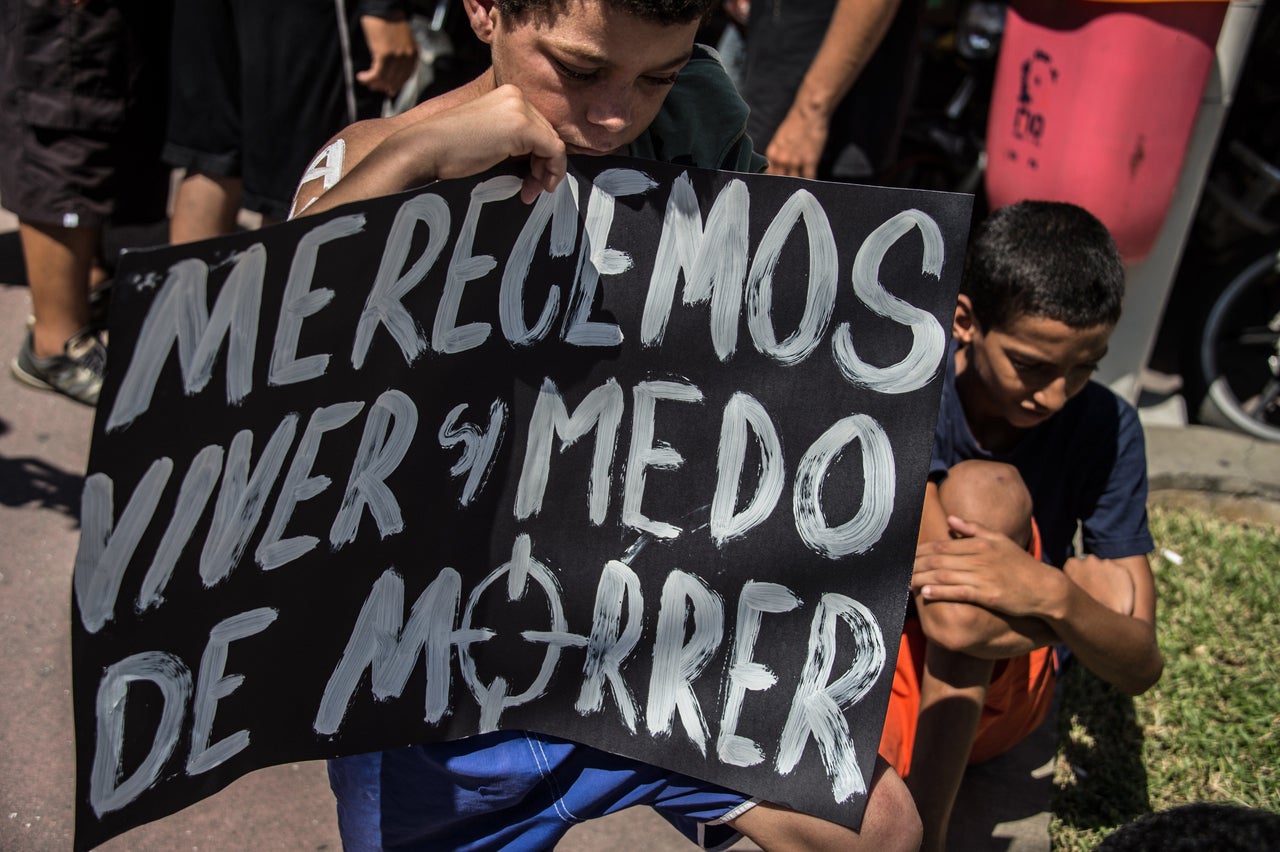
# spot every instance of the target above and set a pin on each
(1018, 699)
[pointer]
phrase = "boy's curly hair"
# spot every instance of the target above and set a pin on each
(658, 11)
(1043, 259)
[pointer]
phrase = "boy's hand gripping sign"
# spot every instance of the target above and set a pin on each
(639, 465)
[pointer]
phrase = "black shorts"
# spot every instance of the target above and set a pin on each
(258, 86)
(82, 112)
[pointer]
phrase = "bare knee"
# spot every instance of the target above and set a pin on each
(991, 493)
(889, 824)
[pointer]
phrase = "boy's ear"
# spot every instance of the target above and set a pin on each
(964, 325)
(482, 14)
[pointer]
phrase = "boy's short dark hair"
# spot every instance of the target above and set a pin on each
(1199, 826)
(1043, 259)
(658, 11)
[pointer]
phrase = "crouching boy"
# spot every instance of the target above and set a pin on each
(1027, 451)
(581, 77)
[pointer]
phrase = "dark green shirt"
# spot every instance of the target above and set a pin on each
(703, 121)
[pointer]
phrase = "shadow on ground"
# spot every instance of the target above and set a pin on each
(33, 482)
(1103, 781)
(12, 268)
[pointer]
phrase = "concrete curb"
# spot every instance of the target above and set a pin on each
(1230, 475)
(1203, 458)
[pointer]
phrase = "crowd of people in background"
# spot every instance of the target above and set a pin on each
(102, 101)
(129, 113)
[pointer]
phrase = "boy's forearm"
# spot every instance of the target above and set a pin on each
(381, 172)
(1119, 647)
(980, 632)
(325, 183)
(456, 135)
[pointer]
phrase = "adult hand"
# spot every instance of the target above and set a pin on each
(737, 11)
(985, 568)
(797, 144)
(394, 54)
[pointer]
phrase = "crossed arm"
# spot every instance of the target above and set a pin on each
(982, 594)
(981, 597)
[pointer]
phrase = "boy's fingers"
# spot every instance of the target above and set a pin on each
(951, 593)
(371, 73)
(544, 176)
(965, 528)
(548, 161)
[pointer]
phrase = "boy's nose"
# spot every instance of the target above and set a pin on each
(1053, 395)
(611, 112)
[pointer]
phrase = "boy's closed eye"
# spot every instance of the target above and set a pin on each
(575, 73)
(1025, 365)
(584, 75)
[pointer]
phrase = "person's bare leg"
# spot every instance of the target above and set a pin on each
(204, 206)
(58, 262)
(953, 687)
(889, 824)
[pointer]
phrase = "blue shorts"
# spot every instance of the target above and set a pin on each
(512, 790)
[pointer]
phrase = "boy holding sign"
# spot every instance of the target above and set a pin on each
(1026, 450)
(567, 77)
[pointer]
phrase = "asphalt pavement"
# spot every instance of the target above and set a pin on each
(43, 454)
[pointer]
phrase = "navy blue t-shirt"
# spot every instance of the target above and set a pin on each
(1086, 465)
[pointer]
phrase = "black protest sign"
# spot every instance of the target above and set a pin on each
(639, 465)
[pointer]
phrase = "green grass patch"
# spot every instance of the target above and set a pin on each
(1210, 729)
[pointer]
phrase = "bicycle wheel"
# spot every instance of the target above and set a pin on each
(1240, 351)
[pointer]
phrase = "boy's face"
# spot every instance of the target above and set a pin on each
(597, 74)
(1026, 370)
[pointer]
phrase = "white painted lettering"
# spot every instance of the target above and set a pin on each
(601, 410)
(561, 209)
(494, 697)
(744, 672)
(929, 342)
(197, 487)
(821, 299)
(104, 551)
(388, 432)
(212, 686)
(677, 663)
(818, 707)
(107, 792)
(644, 455)
(446, 335)
(863, 530)
(180, 312)
(300, 302)
(384, 305)
(742, 412)
(598, 259)
(480, 446)
(299, 485)
(241, 498)
(612, 642)
(714, 262)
